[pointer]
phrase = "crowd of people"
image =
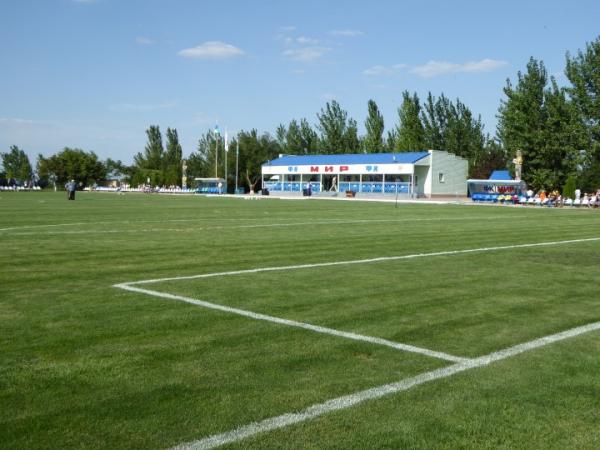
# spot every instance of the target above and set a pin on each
(553, 198)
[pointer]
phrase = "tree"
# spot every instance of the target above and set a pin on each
(564, 135)
(118, 169)
(545, 124)
(255, 150)
(290, 138)
(451, 126)
(310, 138)
(390, 142)
(410, 132)
(197, 166)
(582, 71)
(492, 157)
(297, 139)
(338, 134)
(351, 140)
(464, 134)
(522, 118)
(201, 163)
(172, 159)
(435, 120)
(373, 142)
(16, 165)
(72, 164)
(117, 166)
(149, 165)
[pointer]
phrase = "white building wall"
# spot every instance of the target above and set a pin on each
(448, 174)
(423, 180)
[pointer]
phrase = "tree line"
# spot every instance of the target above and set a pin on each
(557, 130)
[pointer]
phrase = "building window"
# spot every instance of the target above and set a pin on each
(441, 177)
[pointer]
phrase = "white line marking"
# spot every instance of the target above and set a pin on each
(293, 323)
(348, 401)
(363, 261)
(369, 394)
(129, 286)
(222, 227)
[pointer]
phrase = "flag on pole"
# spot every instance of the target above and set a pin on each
(226, 143)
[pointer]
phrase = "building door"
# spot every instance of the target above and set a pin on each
(330, 183)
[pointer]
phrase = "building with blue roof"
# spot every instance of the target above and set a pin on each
(426, 173)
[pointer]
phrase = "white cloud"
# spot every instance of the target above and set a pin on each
(121, 107)
(306, 54)
(436, 68)
(307, 40)
(287, 29)
(346, 33)
(16, 123)
(378, 71)
(84, 1)
(485, 65)
(143, 40)
(211, 50)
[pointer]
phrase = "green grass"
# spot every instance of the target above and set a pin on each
(87, 365)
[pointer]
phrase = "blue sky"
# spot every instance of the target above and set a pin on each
(95, 74)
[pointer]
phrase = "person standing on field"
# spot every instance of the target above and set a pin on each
(71, 187)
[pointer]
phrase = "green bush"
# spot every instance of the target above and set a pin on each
(569, 187)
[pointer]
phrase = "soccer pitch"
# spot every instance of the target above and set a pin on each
(143, 321)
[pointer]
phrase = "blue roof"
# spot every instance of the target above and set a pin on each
(352, 158)
(500, 175)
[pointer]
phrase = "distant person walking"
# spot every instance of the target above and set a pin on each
(71, 186)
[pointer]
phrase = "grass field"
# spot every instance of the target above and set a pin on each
(384, 327)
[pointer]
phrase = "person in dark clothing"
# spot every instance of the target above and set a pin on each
(71, 187)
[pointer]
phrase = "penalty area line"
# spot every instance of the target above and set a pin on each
(348, 401)
(295, 324)
(364, 261)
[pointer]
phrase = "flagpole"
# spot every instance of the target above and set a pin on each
(237, 156)
(216, 133)
(216, 156)
(226, 146)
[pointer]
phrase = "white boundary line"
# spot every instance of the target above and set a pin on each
(220, 227)
(350, 400)
(361, 261)
(293, 323)
(129, 286)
